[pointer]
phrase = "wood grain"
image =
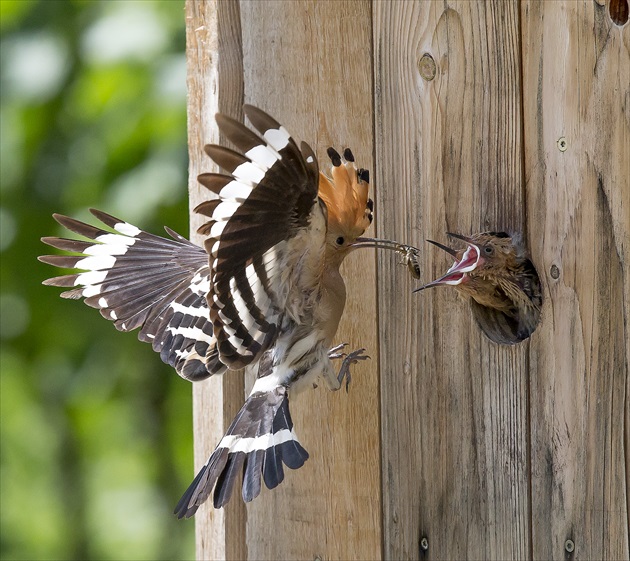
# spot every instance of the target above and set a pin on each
(309, 64)
(487, 451)
(454, 428)
(314, 76)
(578, 64)
(215, 83)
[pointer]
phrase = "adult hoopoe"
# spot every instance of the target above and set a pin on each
(494, 271)
(266, 290)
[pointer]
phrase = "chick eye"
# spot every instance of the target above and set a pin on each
(340, 240)
(488, 250)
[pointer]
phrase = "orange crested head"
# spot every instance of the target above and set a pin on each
(346, 196)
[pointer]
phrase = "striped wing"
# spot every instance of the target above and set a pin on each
(137, 279)
(266, 227)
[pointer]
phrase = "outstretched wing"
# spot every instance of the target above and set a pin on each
(265, 234)
(137, 279)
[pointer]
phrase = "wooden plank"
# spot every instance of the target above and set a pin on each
(308, 63)
(454, 425)
(215, 83)
(578, 196)
(315, 77)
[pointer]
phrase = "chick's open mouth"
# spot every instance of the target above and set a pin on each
(457, 272)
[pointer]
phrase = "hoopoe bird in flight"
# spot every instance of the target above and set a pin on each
(264, 290)
(495, 273)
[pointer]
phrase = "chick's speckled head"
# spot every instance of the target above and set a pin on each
(494, 271)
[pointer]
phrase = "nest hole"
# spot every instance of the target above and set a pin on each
(507, 330)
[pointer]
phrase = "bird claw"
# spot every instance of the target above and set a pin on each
(351, 358)
(334, 352)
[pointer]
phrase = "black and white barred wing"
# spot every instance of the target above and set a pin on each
(137, 279)
(265, 234)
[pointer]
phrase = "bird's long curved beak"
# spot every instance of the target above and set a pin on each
(468, 262)
(379, 243)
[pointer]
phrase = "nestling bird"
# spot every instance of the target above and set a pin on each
(494, 271)
(265, 290)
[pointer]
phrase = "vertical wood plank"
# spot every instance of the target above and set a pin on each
(454, 424)
(314, 75)
(308, 63)
(215, 83)
(578, 198)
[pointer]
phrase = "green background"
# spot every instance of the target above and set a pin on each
(96, 432)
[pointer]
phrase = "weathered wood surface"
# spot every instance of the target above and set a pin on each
(578, 203)
(314, 76)
(487, 451)
(215, 83)
(455, 432)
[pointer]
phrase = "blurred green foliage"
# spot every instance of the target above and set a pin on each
(96, 433)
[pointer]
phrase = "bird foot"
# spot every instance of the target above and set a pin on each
(351, 358)
(335, 351)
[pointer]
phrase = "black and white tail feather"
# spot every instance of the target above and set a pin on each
(258, 443)
(249, 297)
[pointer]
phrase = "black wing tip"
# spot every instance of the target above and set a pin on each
(105, 218)
(48, 240)
(348, 155)
(254, 114)
(65, 221)
(52, 260)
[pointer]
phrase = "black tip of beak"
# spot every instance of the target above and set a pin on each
(458, 236)
(429, 285)
(448, 250)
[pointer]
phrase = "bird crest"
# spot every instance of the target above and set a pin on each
(346, 194)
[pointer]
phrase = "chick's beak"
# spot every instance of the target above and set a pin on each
(467, 263)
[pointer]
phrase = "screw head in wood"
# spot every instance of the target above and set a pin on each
(427, 68)
(424, 544)
(562, 144)
(569, 546)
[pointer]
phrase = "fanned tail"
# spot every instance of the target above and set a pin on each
(258, 443)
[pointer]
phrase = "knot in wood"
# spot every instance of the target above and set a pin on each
(427, 68)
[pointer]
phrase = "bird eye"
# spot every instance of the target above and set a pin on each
(488, 250)
(340, 240)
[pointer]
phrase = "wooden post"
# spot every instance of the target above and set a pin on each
(449, 145)
(577, 173)
(311, 69)
(472, 116)
(215, 83)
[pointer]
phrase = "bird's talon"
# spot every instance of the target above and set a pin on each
(338, 348)
(350, 358)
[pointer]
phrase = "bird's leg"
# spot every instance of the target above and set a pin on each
(348, 359)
